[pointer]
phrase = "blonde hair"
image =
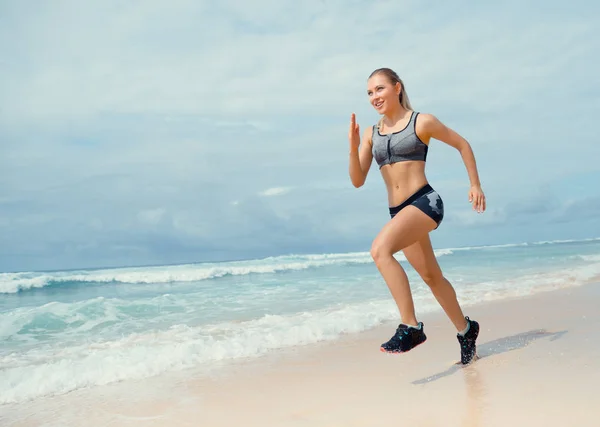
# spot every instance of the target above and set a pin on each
(393, 78)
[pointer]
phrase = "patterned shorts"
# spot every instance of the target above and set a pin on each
(427, 200)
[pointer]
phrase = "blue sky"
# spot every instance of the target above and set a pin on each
(163, 132)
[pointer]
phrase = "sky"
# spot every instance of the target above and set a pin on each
(163, 132)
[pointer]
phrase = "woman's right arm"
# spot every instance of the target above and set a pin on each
(361, 155)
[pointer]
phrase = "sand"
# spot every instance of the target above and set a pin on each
(539, 366)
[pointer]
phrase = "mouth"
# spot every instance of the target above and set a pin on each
(378, 104)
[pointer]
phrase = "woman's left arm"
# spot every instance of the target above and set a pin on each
(434, 128)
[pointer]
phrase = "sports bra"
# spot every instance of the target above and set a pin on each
(400, 146)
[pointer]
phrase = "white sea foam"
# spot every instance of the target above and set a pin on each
(590, 258)
(552, 242)
(16, 282)
(47, 371)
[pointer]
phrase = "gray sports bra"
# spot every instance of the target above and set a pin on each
(399, 146)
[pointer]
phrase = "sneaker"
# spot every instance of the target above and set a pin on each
(468, 349)
(405, 339)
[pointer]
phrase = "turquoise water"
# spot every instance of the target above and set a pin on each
(62, 331)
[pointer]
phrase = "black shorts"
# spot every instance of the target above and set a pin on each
(427, 200)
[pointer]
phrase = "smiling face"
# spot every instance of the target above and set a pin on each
(383, 95)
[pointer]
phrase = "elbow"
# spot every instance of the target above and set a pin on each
(464, 147)
(358, 183)
(357, 177)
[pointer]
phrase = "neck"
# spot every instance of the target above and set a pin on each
(392, 117)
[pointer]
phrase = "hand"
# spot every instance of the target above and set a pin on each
(477, 197)
(354, 133)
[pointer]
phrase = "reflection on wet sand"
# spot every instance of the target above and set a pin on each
(476, 394)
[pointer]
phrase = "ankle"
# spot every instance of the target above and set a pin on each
(411, 323)
(465, 329)
(415, 325)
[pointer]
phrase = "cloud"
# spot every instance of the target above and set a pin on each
(144, 133)
(579, 210)
(151, 216)
(275, 191)
(538, 210)
(155, 61)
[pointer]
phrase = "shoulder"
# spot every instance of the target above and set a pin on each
(428, 124)
(426, 119)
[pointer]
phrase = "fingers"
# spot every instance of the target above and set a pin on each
(354, 128)
(479, 204)
(478, 201)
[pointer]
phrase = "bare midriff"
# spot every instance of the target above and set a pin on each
(403, 179)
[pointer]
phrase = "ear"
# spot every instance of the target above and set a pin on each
(398, 88)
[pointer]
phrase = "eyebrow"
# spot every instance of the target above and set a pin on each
(376, 87)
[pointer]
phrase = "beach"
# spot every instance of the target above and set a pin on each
(539, 366)
(198, 201)
(294, 341)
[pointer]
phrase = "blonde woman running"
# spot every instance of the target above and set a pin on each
(399, 143)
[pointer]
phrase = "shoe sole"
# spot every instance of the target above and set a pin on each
(383, 350)
(476, 357)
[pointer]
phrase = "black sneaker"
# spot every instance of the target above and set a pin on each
(405, 339)
(468, 349)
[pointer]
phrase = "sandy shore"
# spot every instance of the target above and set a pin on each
(539, 366)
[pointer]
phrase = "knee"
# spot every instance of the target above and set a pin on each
(380, 251)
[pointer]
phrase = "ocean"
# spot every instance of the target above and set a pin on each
(64, 331)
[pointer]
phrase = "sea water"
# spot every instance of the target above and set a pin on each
(63, 331)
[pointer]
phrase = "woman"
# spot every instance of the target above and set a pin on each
(399, 143)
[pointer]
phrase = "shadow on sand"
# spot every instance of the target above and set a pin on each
(499, 346)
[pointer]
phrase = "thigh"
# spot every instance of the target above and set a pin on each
(408, 226)
(421, 257)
